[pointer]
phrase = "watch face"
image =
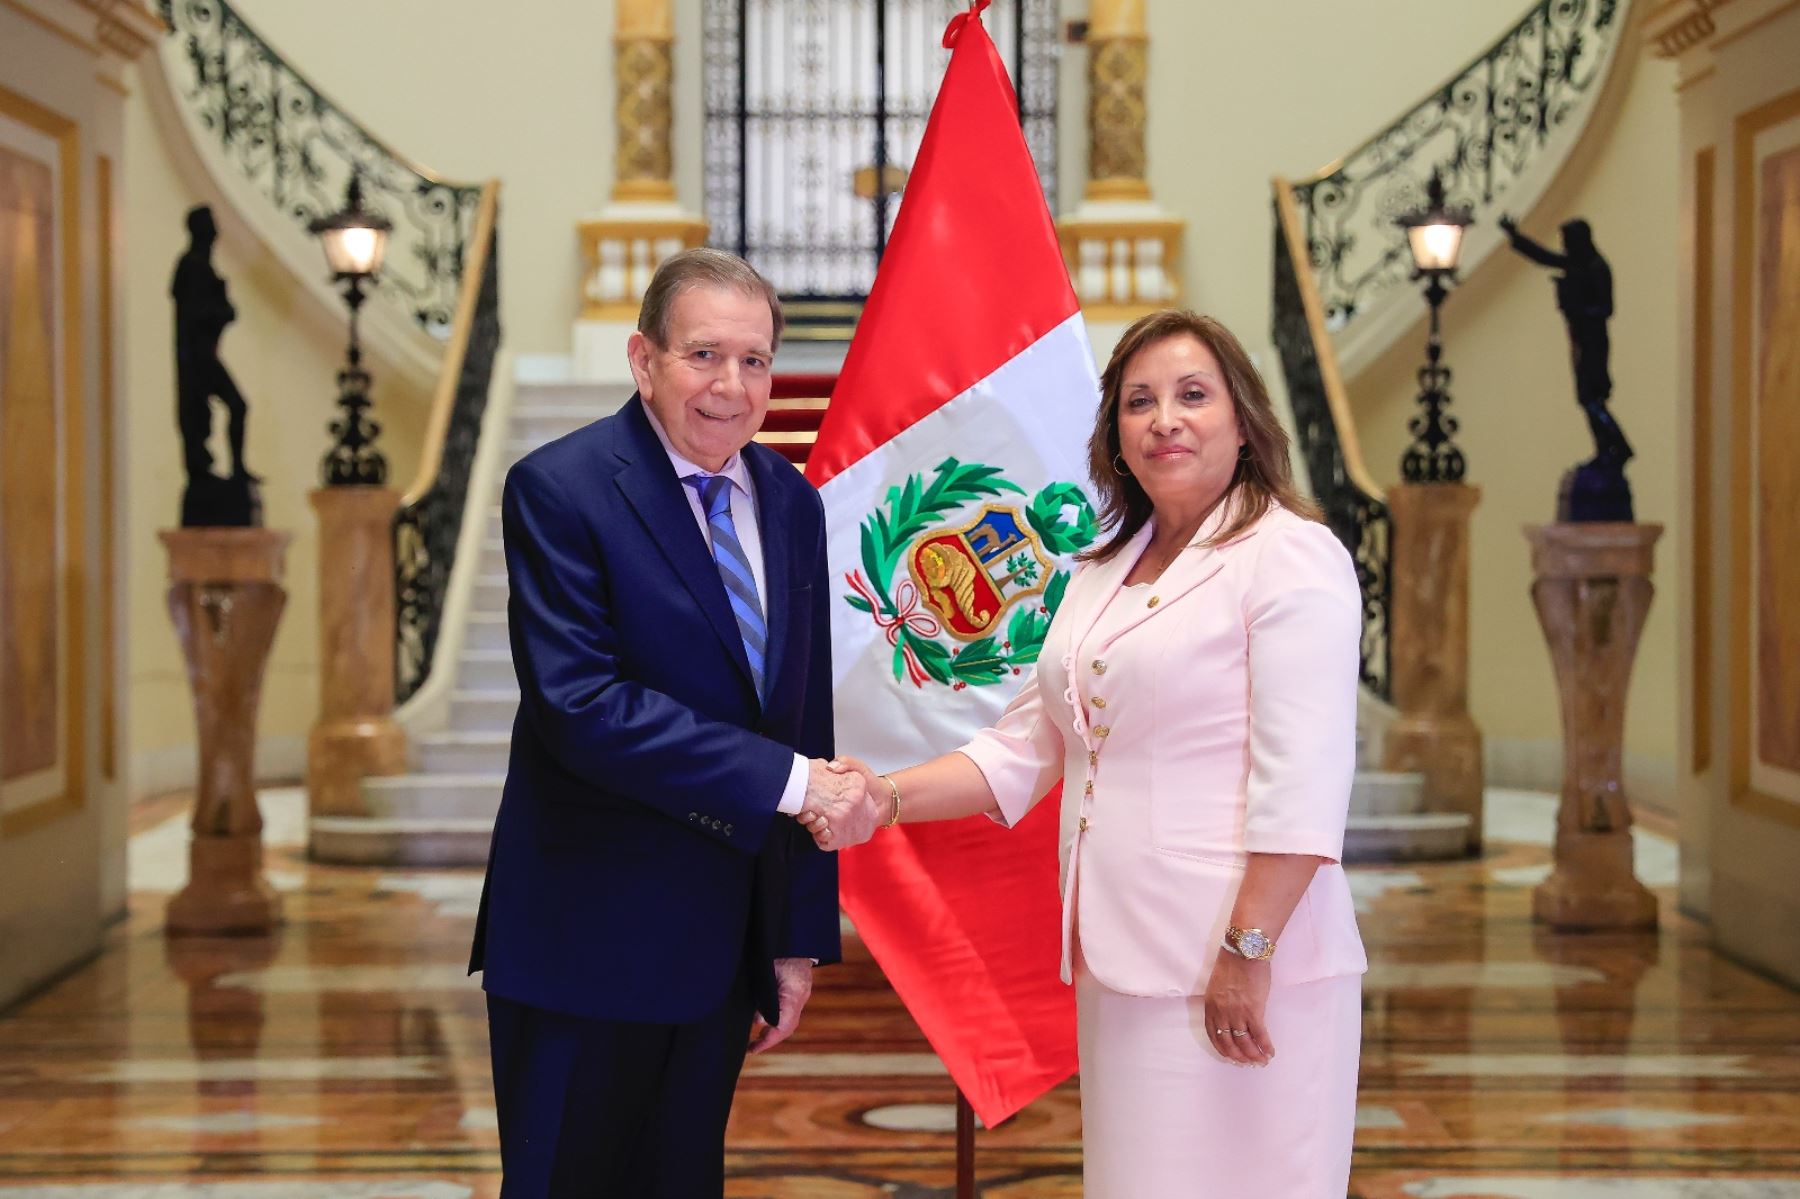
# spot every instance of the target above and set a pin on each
(1252, 943)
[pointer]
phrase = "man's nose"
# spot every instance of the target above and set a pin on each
(730, 379)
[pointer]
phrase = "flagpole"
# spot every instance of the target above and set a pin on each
(965, 1147)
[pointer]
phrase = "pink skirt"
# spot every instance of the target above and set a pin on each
(1165, 1117)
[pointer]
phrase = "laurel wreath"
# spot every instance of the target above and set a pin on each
(1059, 514)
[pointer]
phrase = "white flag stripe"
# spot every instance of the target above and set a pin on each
(1031, 419)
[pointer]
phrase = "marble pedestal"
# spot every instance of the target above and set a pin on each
(1434, 735)
(225, 597)
(355, 736)
(1592, 591)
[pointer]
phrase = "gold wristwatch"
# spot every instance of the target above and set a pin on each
(1249, 943)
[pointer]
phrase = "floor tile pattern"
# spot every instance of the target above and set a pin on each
(346, 1057)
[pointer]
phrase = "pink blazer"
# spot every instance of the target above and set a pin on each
(1218, 719)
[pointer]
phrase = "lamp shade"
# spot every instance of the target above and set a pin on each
(355, 238)
(1434, 233)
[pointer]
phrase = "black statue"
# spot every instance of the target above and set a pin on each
(202, 310)
(1596, 490)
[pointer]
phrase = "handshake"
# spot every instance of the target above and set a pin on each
(846, 803)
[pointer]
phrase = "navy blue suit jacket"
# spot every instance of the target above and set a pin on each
(638, 861)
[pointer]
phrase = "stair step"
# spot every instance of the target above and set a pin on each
(549, 421)
(486, 670)
(434, 796)
(375, 841)
(494, 531)
(1387, 793)
(1403, 838)
(490, 594)
(476, 753)
(483, 711)
(487, 631)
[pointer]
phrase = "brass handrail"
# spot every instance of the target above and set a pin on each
(456, 349)
(1337, 397)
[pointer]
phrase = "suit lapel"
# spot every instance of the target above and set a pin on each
(1103, 582)
(1191, 568)
(777, 551)
(656, 495)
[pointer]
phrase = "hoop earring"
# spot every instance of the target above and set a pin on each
(1119, 467)
(1244, 452)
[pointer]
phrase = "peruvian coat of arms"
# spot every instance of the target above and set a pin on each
(938, 562)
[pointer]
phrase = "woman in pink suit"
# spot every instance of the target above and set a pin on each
(1196, 697)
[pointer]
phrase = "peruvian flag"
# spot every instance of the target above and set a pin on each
(951, 463)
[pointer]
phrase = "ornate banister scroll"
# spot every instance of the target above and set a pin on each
(433, 509)
(298, 149)
(1354, 506)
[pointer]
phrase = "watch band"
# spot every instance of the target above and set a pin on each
(1249, 943)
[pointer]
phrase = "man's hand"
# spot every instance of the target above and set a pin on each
(839, 811)
(793, 987)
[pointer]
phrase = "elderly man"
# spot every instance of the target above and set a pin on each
(647, 895)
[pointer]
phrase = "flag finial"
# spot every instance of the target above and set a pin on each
(953, 30)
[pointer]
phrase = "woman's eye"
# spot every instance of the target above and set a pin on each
(1138, 402)
(1194, 394)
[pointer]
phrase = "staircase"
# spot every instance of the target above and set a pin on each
(443, 812)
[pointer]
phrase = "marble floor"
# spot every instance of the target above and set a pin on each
(346, 1058)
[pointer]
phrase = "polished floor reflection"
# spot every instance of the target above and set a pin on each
(347, 1058)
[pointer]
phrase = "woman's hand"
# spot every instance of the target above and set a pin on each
(1236, 998)
(845, 764)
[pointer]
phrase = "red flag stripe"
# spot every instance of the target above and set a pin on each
(972, 276)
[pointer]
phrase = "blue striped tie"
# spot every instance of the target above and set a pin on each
(734, 570)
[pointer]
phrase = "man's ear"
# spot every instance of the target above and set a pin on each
(637, 357)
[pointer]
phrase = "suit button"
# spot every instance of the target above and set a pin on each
(728, 830)
(1093, 758)
(1153, 601)
(693, 815)
(1084, 824)
(1102, 730)
(1098, 702)
(1090, 788)
(1099, 666)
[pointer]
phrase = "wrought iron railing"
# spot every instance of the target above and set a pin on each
(299, 149)
(1480, 130)
(432, 512)
(1353, 509)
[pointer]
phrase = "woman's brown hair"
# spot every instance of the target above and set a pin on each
(1264, 476)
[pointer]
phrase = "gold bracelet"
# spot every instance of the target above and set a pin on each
(894, 789)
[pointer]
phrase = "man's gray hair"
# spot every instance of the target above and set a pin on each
(703, 266)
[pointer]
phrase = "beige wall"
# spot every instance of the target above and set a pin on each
(1739, 807)
(1236, 94)
(62, 863)
(1521, 428)
(284, 351)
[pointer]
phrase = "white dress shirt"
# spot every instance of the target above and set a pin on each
(749, 534)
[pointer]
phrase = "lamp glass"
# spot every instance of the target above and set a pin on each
(354, 249)
(1435, 247)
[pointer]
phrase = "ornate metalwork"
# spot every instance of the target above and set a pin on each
(806, 100)
(1360, 520)
(1481, 129)
(353, 459)
(425, 532)
(1433, 457)
(298, 149)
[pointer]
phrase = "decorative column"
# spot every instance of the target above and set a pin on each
(1592, 592)
(355, 736)
(1123, 251)
(225, 598)
(1429, 639)
(624, 243)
